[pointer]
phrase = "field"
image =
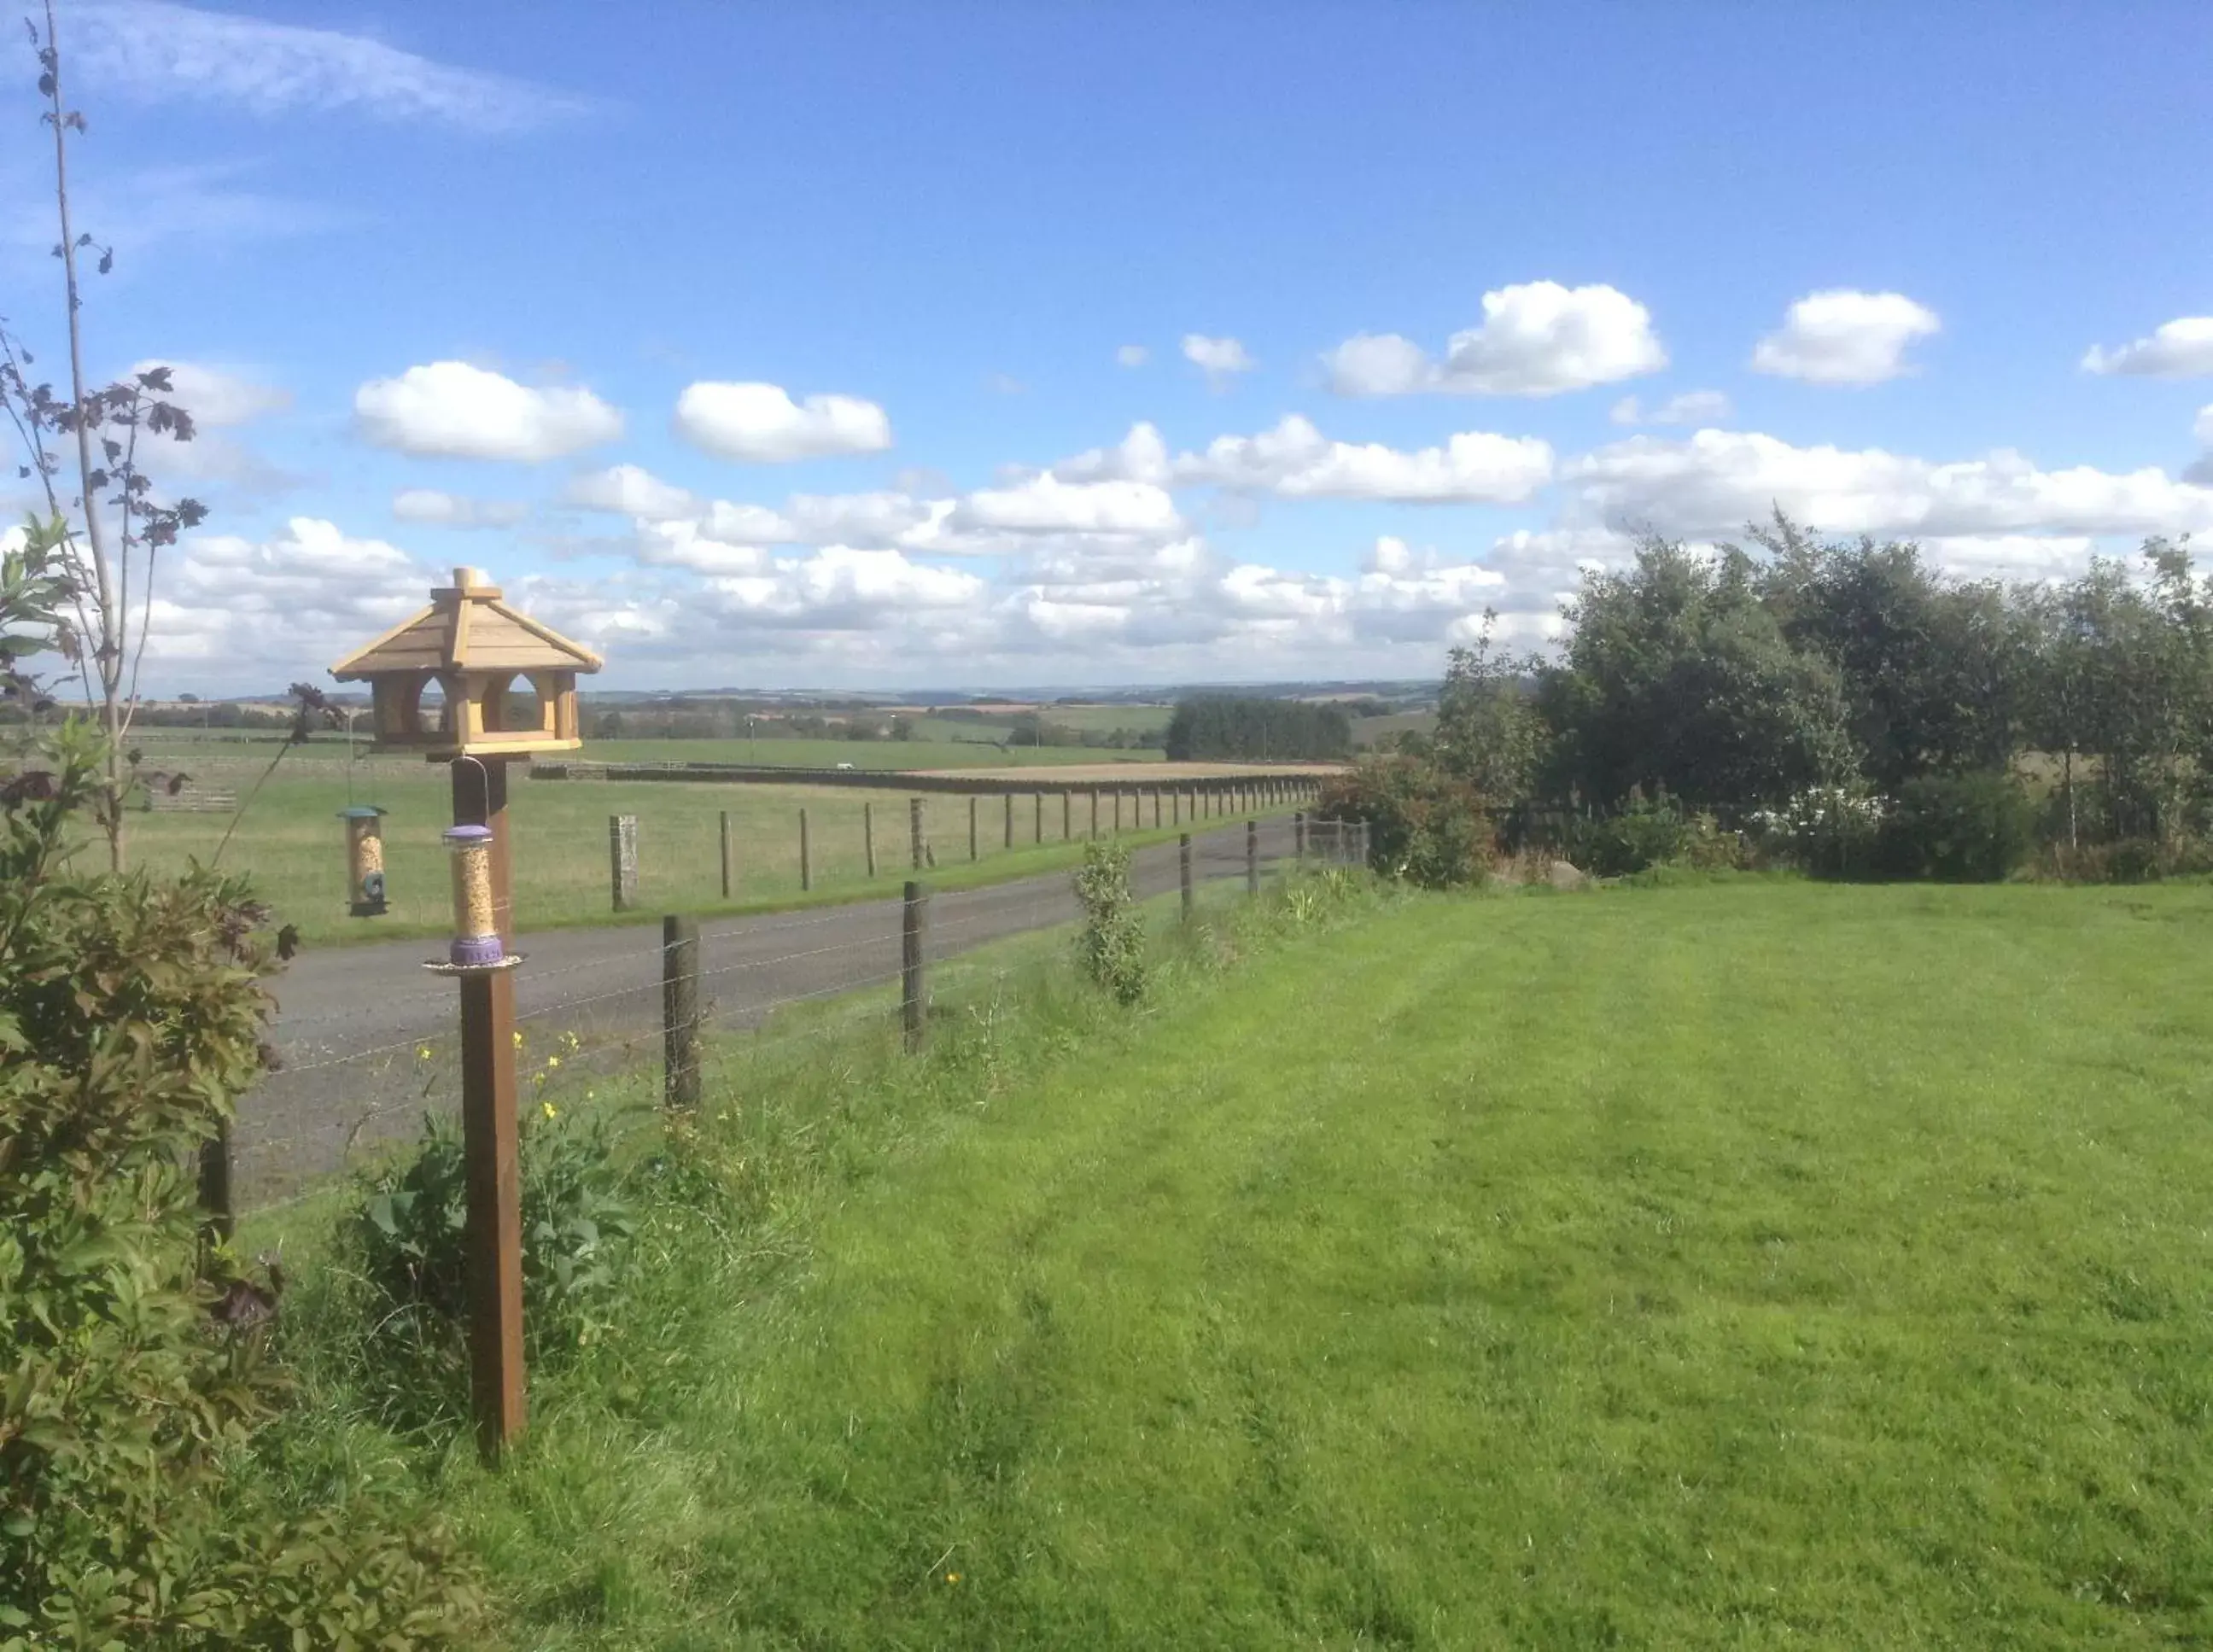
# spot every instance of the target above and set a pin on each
(1738, 1265)
(167, 747)
(294, 846)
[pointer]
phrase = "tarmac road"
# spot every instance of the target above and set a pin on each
(351, 1020)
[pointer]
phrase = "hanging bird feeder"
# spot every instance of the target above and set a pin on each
(476, 946)
(364, 859)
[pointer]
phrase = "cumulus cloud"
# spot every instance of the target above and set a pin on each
(1536, 339)
(220, 399)
(435, 508)
(629, 490)
(1295, 460)
(1690, 407)
(1220, 359)
(451, 410)
(2181, 348)
(1045, 504)
(156, 51)
(1131, 355)
(1844, 336)
(1713, 482)
(761, 423)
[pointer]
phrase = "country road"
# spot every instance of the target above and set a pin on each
(351, 1022)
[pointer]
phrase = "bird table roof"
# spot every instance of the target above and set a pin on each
(466, 628)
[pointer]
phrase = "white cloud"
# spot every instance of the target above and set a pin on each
(1712, 483)
(1045, 504)
(629, 490)
(762, 424)
(219, 399)
(1538, 338)
(1140, 456)
(156, 52)
(455, 411)
(1689, 407)
(1131, 355)
(1220, 359)
(1842, 337)
(434, 506)
(2181, 348)
(255, 613)
(1295, 460)
(217, 396)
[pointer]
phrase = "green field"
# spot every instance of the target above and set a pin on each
(292, 843)
(167, 748)
(1744, 1264)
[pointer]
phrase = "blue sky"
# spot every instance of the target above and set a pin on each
(1396, 272)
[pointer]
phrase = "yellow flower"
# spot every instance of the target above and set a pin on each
(552, 1061)
(422, 1052)
(518, 1038)
(953, 1577)
(549, 1109)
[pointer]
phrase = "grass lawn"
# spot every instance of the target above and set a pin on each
(292, 843)
(1741, 1265)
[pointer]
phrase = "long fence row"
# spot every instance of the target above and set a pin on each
(368, 1047)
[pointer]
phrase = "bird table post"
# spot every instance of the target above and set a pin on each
(472, 648)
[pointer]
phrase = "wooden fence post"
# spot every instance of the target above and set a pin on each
(914, 913)
(680, 1011)
(1067, 803)
(1036, 799)
(729, 860)
(1118, 811)
(1094, 814)
(1156, 808)
(1175, 807)
(1298, 836)
(919, 840)
(622, 859)
(1252, 858)
(868, 831)
(1183, 872)
(1010, 802)
(972, 827)
(806, 858)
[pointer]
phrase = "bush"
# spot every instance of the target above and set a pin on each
(1965, 828)
(1424, 825)
(1114, 941)
(1826, 830)
(131, 1017)
(407, 1234)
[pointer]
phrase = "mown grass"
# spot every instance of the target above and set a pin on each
(1724, 1266)
(294, 844)
(954, 746)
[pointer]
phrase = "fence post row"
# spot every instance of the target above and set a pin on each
(680, 1011)
(913, 914)
(622, 859)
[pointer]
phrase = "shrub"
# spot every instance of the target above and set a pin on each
(131, 1017)
(1828, 830)
(1424, 825)
(1113, 941)
(1964, 828)
(1643, 834)
(408, 1230)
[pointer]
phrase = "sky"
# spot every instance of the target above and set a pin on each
(989, 346)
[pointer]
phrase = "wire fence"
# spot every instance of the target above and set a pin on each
(370, 1047)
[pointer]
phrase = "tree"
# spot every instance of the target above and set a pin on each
(1488, 730)
(1676, 677)
(113, 525)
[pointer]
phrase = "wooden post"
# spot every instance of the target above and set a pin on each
(1038, 825)
(492, 1233)
(1175, 807)
(729, 860)
(917, 840)
(1118, 811)
(1183, 872)
(215, 1183)
(1252, 858)
(806, 858)
(622, 858)
(680, 1011)
(914, 913)
(1298, 836)
(1094, 814)
(1010, 800)
(868, 831)
(972, 855)
(1156, 808)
